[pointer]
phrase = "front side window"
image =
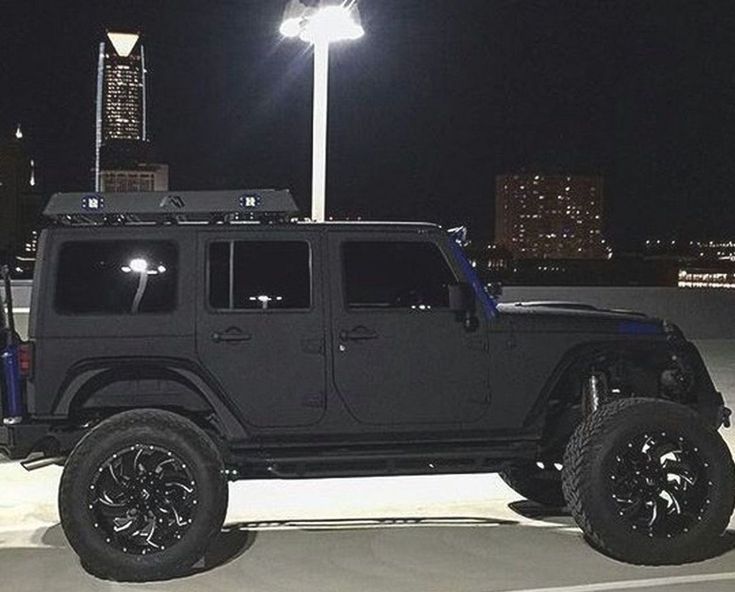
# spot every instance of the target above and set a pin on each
(116, 277)
(388, 275)
(259, 275)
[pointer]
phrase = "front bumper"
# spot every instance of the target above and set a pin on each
(725, 413)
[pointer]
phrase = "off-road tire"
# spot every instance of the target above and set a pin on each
(540, 485)
(157, 428)
(588, 471)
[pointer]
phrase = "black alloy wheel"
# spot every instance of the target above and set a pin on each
(143, 499)
(142, 495)
(660, 484)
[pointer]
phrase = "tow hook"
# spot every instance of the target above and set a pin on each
(725, 416)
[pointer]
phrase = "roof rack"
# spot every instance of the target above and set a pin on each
(172, 207)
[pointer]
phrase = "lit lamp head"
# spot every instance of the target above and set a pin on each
(324, 21)
(139, 265)
(136, 266)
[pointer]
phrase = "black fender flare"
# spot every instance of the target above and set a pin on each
(708, 399)
(86, 378)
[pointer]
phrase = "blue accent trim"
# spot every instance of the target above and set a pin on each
(14, 403)
(636, 328)
(488, 303)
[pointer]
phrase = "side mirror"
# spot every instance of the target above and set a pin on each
(462, 302)
(461, 298)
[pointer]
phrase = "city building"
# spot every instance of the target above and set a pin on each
(123, 154)
(20, 198)
(146, 177)
(542, 216)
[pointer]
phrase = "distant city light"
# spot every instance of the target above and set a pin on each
(706, 279)
(265, 300)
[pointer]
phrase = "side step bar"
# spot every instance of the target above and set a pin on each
(345, 462)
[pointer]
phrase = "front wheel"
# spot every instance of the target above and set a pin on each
(142, 495)
(649, 482)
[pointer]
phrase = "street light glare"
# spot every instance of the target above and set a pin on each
(331, 23)
(291, 27)
(322, 25)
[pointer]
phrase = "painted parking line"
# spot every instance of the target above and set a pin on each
(637, 584)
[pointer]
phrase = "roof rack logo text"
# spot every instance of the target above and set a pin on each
(173, 201)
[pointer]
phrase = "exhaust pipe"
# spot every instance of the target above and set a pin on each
(39, 463)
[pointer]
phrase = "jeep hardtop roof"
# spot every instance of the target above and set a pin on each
(193, 207)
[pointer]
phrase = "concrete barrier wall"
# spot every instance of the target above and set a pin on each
(702, 314)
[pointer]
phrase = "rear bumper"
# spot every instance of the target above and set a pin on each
(18, 441)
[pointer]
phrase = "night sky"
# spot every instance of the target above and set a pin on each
(435, 100)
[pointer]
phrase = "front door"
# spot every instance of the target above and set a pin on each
(260, 324)
(401, 355)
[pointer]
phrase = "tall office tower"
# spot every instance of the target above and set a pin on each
(123, 150)
(540, 216)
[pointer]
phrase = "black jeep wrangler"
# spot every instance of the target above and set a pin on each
(178, 341)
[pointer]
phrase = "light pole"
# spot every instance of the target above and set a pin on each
(321, 24)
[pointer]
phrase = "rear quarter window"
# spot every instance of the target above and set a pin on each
(116, 277)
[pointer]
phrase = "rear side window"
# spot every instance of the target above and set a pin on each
(388, 275)
(259, 275)
(116, 277)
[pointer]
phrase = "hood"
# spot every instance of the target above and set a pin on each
(576, 316)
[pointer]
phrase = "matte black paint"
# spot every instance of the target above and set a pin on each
(297, 396)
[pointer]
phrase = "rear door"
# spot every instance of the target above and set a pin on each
(260, 323)
(401, 355)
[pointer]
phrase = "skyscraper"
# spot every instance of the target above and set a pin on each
(540, 216)
(123, 151)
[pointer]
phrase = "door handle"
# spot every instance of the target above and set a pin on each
(231, 335)
(359, 333)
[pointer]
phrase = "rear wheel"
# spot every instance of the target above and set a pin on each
(142, 495)
(649, 482)
(539, 482)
